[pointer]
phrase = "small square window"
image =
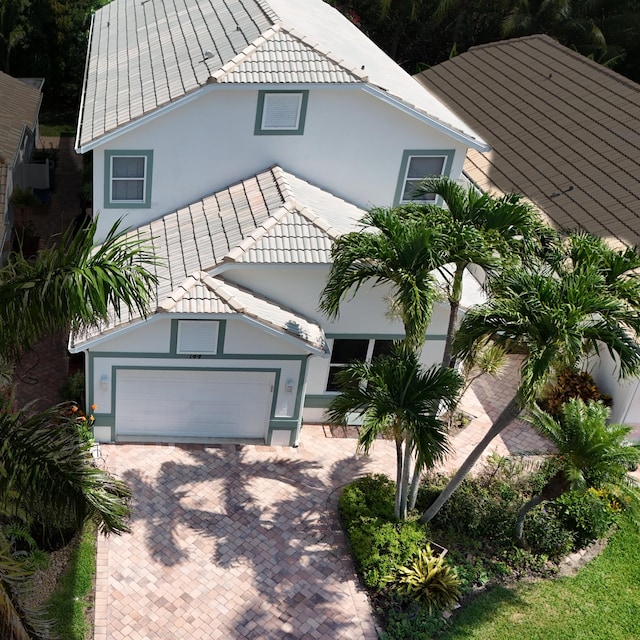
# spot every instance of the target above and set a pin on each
(416, 166)
(128, 179)
(281, 112)
(197, 337)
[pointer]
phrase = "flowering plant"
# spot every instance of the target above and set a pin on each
(83, 422)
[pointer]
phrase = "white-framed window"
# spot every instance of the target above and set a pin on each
(281, 112)
(416, 166)
(197, 337)
(346, 350)
(128, 178)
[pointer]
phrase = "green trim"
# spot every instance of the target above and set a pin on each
(173, 339)
(222, 332)
(178, 356)
(446, 171)
(259, 131)
(302, 381)
(318, 401)
(281, 424)
(146, 203)
(365, 336)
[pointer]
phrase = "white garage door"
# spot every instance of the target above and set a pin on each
(202, 404)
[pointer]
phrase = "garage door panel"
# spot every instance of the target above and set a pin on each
(193, 403)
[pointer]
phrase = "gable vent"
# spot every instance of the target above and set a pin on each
(281, 111)
(197, 336)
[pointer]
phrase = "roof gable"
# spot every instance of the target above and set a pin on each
(563, 131)
(272, 217)
(144, 56)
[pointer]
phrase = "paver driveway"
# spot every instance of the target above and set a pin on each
(234, 542)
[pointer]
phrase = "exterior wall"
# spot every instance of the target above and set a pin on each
(261, 352)
(208, 143)
(624, 393)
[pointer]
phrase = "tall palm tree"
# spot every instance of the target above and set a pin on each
(393, 249)
(591, 453)
(559, 311)
(395, 396)
(479, 229)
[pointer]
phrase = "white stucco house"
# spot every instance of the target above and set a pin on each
(240, 139)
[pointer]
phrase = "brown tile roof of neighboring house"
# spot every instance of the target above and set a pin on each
(564, 131)
(19, 107)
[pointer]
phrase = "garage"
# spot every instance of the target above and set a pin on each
(193, 403)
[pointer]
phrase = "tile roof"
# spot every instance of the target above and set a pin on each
(19, 108)
(202, 293)
(564, 131)
(144, 55)
(272, 217)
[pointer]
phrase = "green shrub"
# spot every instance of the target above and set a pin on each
(429, 579)
(545, 534)
(415, 624)
(587, 514)
(378, 547)
(369, 496)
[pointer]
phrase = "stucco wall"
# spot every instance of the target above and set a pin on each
(352, 146)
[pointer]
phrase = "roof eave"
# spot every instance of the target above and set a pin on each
(474, 143)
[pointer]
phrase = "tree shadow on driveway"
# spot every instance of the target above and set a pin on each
(260, 534)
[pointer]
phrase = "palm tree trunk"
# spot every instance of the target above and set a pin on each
(406, 474)
(454, 306)
(509, 413)
(415, 485)
(522, 514)
(399, 468)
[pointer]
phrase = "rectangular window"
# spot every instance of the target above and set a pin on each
(416, 166)
(128, 179)
(345, 351)
(281, 112)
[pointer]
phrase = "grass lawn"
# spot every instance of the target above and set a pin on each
(601, 603)
(68, 604)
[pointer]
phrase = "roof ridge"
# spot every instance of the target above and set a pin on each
(595, 66)
(271, 34)
(245, 54)
(258, 233)
(317, 220)
(179, 292)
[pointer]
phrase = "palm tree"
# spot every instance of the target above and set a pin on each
(73, 284)
(395, 396)
(394, 249)
(591, 453)
(479, 229)
(47, 474)
(559, 311)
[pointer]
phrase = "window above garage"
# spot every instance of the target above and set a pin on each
(197, 337)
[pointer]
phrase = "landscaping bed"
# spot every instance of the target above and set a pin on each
(476, 527)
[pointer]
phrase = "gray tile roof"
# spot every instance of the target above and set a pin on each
(144, 55)
(202, 293)
(564, 131)
(272, 217)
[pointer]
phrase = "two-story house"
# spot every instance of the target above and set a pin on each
(241, 139)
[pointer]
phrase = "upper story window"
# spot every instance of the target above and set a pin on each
(416, 166)
(281, 113)
(128, 179)
(345, 351)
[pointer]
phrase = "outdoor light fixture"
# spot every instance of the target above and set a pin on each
(104, 381)
(288, 386)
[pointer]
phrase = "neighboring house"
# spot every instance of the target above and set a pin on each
(243, 138)
(20, 100)
(565, 133)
